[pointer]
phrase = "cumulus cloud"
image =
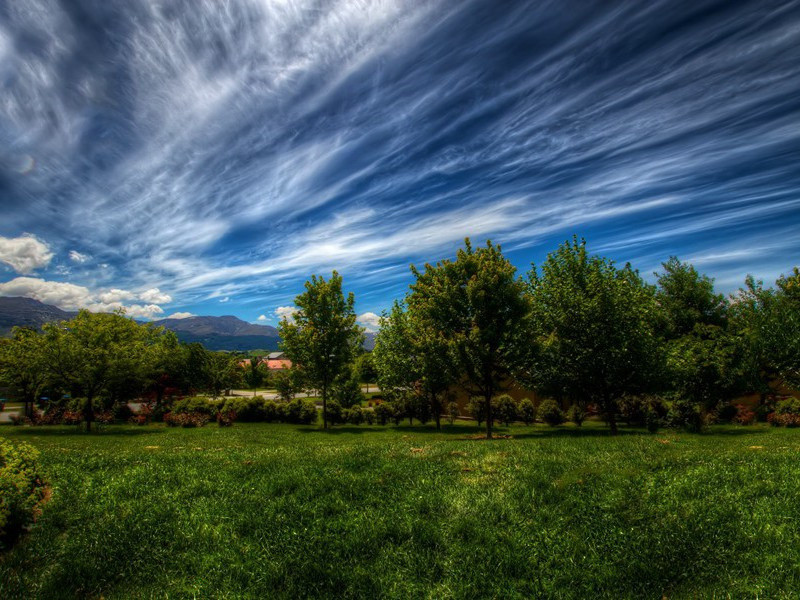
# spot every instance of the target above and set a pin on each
(262, 318)
(69, 296)
(24, 254)
(77, 257)
(285, 312)
(369, 321)
(155, 296)
(181, 315)
(115, 295)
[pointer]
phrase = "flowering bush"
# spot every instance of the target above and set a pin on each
(787, 413)
(225, 418)
(186, 419)
(744, 415)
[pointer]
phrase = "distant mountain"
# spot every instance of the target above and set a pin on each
(369, 341)
(215, 333)
(223, 333)
(27, 312)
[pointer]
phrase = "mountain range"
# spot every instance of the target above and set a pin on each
(215, 333)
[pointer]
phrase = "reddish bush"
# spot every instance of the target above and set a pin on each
(226, 418)
(185, 419)
(744, 415)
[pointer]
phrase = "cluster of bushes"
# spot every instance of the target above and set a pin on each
(300, 411)
(21, 488)
(787, 413)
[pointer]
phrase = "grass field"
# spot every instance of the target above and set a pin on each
(279, 511)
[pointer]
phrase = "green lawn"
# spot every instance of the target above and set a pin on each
(271, 511)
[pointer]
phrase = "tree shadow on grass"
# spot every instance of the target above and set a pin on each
(45, 431)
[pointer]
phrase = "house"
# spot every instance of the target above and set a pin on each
(277, 361)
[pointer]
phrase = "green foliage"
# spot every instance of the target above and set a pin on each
(596, 330)
(288, 382)
(687, 299)
(576, 414)
(452, 412)
(550, 412)
(354, 415)
(335, 412)
(196, 405)
(383, 413)
(21, 488)
(365, 368)
(527, 411)
(300, 411)
(476, 407)
(506, 409)
(323, 338)
(347, 390)
(246, 410)
(255, 373)
(476, 309)
(686, 414)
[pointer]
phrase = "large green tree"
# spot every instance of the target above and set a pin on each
(595, 330)
(23, 365)
(96, 354)
(255, 373)
(476, 308)
(322, 339)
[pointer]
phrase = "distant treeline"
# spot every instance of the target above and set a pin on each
(577, 329)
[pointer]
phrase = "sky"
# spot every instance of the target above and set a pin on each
(205, 157)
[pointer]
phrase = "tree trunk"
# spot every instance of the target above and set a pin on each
(489, 416)
(324, 407)
(612, 422)
(88, 413)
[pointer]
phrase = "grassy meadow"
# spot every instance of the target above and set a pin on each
(280, 511)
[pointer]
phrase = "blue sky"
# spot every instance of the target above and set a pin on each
(206, 157)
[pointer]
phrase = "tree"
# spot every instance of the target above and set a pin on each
(23, 365)
(688, 298)
(476, 309)
(288, 383)
(413, 362)
(595, 325)
(255, 374)
(323, 338)
(701, 355)
(96, 353)
(221, 372)
(365, 367)
(766, 323)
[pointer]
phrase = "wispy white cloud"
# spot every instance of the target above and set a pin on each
(77, 257)
(180, 315)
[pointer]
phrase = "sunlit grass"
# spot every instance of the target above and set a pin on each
(268, 511)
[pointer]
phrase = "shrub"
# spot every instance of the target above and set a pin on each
(653, 421)
(744, 415)
(195, 405)
(272, 411)
(452, 412)
(369, 417)
(527, 411)
(301, 411)
(685, 414)
(246, 410)
(347, 392)
(173, 419)
(505, 409)
(121, 411)
(354, 415)
(787, 413)
(383, 413)
(334, 412)
(550, 412)
(15, 419)
(476, 407)
(225, 418)
(21, 488)
(577, 414)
